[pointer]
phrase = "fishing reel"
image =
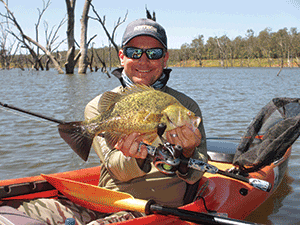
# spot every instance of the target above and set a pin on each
(166, 157)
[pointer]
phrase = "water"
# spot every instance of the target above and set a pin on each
(229, 100)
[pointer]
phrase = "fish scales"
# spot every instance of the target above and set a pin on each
(140, 109)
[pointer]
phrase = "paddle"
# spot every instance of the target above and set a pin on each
(123, 201)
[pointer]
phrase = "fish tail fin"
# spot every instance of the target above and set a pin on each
(75, 135)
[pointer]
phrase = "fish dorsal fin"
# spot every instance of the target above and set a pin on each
(137, 88)
(108, 100)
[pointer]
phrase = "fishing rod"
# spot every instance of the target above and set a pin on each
(32, 114)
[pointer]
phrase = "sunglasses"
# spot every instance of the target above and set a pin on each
(136, 53)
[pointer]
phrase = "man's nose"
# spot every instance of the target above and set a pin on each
(144, 58)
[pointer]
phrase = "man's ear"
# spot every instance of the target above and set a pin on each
(166, 59)
(121, 57)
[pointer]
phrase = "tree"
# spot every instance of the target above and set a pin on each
(265, 44)
(8, 49)
(51, 38)
(294, 40)
(111, 37)
(185, 52)
(70, 58)
(223, 44)
(281, 38)
(211, 47)
(198, 48)
(26, 40)
(250, 43)
(83, 63)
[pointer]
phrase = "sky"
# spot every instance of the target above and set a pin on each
(183, 21)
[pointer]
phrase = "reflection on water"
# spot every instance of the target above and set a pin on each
(229, 100)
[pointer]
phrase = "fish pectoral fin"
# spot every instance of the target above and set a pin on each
(112, 138)
(75, 136)
(108, 100)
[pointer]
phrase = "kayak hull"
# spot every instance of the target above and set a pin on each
(223, 195)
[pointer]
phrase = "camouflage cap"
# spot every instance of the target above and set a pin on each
(145, 27)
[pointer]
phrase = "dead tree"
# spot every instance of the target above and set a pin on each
(70, 59)
(103, 67)
(83, 63)
(8, 49)
(222, 49)
(41, 12)
(25, 40)
(51, 39)
(111, 37)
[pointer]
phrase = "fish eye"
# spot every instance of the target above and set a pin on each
(189, 113)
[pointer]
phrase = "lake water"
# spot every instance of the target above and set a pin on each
(229, 100)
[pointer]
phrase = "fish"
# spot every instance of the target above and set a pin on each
(138, 109)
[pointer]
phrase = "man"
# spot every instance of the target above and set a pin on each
(144, 56)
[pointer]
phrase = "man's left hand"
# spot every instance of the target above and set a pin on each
(185, 136)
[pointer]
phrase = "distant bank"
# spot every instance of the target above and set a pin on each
(295, 63)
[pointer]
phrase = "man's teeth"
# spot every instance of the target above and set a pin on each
(144, 71)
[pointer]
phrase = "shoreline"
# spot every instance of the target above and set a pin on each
(237, 63)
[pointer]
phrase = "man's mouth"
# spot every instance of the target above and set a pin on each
(143, 71)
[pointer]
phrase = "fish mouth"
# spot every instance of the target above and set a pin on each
(197, 121)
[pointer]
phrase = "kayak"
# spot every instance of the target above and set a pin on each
(217, 194)
(238, 178)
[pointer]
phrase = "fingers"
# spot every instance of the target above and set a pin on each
(186, 137)
(130, 146)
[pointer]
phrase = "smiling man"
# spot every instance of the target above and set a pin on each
(144, 55)
(143, 70)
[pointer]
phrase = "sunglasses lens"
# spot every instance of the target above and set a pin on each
(133, 53)
(136, 53)
(155, 53)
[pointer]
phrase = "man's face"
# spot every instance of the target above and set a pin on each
(143, 70)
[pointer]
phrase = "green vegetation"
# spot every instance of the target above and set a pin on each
(268, 49)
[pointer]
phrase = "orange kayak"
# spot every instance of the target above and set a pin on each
(221, 194)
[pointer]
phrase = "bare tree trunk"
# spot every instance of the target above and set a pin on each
(70, 60)
(83, 64)
(221, 53)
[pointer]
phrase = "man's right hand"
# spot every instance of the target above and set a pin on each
(129, 145)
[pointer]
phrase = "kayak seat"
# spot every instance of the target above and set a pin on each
(221, 150)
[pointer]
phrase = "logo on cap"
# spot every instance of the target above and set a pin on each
(145, 28)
